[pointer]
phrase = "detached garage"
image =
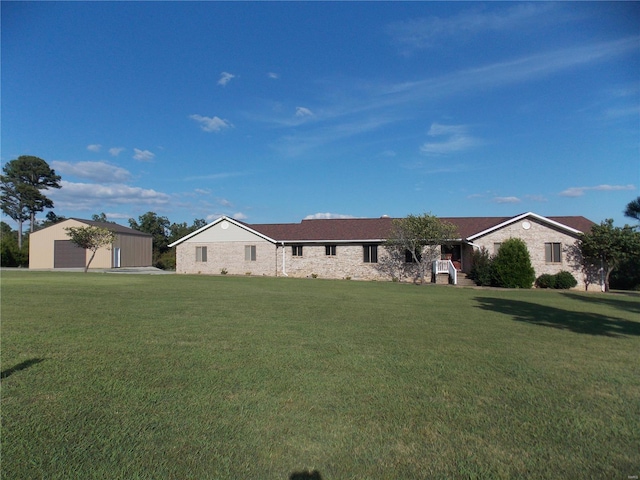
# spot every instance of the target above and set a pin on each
(51, 247)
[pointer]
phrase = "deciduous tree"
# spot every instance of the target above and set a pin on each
(422, 236)
(91, 238)
(606, 247)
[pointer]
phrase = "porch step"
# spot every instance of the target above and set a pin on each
(464, 281)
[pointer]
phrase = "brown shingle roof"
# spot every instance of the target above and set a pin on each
(372, 229)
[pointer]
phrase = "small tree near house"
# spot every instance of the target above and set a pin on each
(91, 238)
(607, 246)
(420, 237)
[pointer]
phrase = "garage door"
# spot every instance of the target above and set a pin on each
(67, 255)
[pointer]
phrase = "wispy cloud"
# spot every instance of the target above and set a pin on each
(273, 75)
(96, 171)
(211, 124)
(430, 32)
(143, 155)
(493, 75)
(456, 139)
(327, 215)
(580, 191)
(95, 147)
(303, 112)
(225, 77)
(115, 151)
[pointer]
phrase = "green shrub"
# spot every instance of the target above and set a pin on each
(511, 267)
(546, 280)
(564, 280)
(481, 267)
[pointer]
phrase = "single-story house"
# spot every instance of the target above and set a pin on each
(52, 248)
(354, 248)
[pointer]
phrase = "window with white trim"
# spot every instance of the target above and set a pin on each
(250, 253)
(330, 250)
(296, 250)
(201, 254)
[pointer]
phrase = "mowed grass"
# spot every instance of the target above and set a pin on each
(132, 376)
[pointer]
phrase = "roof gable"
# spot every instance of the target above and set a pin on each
(221, 223)
(581, 222)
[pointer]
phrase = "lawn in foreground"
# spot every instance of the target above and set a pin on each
(114, 376)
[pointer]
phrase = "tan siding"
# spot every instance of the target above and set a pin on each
(136, 250)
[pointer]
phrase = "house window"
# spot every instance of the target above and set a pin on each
(330, 250)
(250, 253)
(296, 250)
(370, 254)
(552, 252)
(201, 254)
(496, 247)
(409, 258)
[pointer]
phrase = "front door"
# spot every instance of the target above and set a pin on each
(453, 253)
(116, 257)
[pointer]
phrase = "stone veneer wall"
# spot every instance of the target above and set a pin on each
(535, 237)
(228, 256)
(347, 263)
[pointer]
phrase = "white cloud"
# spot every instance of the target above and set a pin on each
(506, 200)
(202, 191)
(93, 196)
(143, 155)
(326, 215)
(456, 140)
(580, 191)
(211, 124)
(273, 75)
(97, 171)
(225, 77)
(94, 147)
(303, 112)
(115, 151)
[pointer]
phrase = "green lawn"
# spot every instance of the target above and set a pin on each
(134, 376)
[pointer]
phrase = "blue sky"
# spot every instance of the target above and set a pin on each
(277, 111)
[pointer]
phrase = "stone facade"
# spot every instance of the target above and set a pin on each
(536, 234)
(227, 257)
(226, 240)
(348, 262)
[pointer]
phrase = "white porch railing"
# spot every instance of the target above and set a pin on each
(446, 266)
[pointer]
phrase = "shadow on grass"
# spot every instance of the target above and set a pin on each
(615, 300)
(579, 322)
(305, 475)
(21, 366)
